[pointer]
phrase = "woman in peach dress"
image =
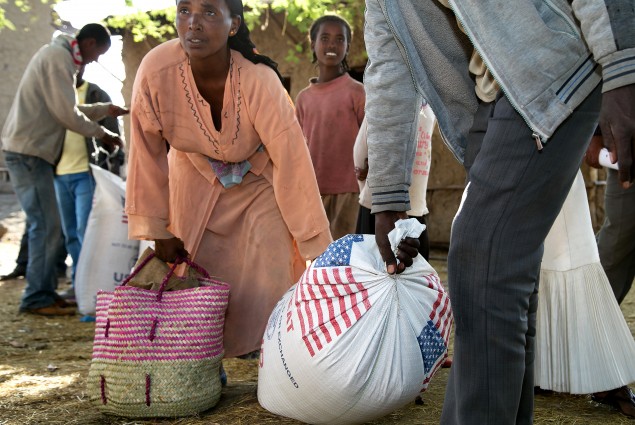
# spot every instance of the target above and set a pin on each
(237, 191)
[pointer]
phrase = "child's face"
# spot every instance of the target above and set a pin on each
(331, 44)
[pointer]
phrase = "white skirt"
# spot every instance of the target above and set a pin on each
(583, 344)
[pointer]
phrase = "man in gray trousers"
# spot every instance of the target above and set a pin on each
(516, 88)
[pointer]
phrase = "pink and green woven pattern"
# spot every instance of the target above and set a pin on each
(184, 325)
(156, 353)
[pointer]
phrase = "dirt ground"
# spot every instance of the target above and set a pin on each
(44, 364)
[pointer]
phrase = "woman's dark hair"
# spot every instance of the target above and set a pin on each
(98, 32)
(315, 29)
(242, 42)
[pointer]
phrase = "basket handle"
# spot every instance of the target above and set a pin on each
(167, 277)
(176, 263)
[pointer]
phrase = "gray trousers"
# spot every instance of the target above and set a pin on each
(616, 238)
(514, 195)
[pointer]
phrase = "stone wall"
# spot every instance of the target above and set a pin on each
(445, 187)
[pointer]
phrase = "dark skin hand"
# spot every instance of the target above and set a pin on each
(112, 142)
(361, 173)
(617, 122)
(169, 250)
(593, 152)
(116, 111)
(407, 249)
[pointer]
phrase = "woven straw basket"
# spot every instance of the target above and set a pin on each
(158, 353)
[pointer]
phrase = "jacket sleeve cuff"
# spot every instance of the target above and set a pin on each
(618, 69)
(390, 198)
(147, 228)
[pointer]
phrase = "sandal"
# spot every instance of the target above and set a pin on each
(621, 399)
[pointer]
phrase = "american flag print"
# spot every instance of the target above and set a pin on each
(339, 252)
(432, 346)
(329, 297)
(434, 337)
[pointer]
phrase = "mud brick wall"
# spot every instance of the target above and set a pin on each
(32, 31)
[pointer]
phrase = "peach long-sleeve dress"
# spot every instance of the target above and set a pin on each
(255, 235)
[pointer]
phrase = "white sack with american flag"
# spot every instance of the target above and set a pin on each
(349, 343)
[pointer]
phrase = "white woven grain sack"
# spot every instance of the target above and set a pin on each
(107, 256)
(350, 343)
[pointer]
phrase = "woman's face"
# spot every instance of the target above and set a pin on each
(204, 27)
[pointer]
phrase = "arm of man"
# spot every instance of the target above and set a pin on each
(617, 120)
(110, 122)
(99, 111)
(95, 111)
(96, 95)
(392, 107)
(61, 99)
(608, 30)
